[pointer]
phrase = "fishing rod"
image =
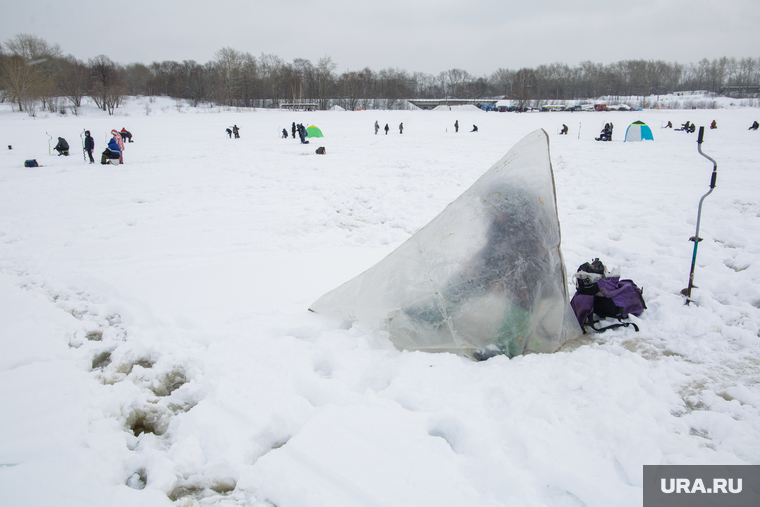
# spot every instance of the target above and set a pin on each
(696, 239)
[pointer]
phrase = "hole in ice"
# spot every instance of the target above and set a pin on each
(126, 368)
(100, 361)
(197, 490)
(169, 382)
(95, 336)
(147, 419)
(138, 480)
(223, 485)
(184, 491)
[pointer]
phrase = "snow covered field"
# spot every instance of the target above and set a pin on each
(156, 347)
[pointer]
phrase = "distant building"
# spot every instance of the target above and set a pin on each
(433, 103)
(299, 105)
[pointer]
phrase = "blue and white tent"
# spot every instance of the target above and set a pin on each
(638, 131)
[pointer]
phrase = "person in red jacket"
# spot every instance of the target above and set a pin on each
(126, 135)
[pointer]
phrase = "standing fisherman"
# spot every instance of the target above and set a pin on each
(89, 145)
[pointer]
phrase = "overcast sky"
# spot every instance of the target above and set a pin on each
(478, 36)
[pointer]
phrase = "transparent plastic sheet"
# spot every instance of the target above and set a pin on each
(485, 276)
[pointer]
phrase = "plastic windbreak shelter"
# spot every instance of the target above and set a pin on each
(484, 277)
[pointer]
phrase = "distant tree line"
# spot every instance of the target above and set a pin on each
(35, 74)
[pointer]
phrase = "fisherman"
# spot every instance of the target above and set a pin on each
(62, 147)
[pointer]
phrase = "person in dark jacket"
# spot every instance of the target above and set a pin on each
(456, 126)
(387, 128)
(401, 128)
(474, 128)
(284, 133)
(62, 147)
(606, 134)
(293, 130)
(236, 131)
(754, 126)
(564, 129)
(89, 145)
(302, 134)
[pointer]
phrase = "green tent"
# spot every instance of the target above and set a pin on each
(313, 132)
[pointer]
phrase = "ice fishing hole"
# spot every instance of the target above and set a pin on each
(95, 336)
(126, 368)
(138, 480)
(199, 491)
(185, 491)
(169, 382)
(149, 419)
(100, 361)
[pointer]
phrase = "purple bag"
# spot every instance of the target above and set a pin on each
(615, 298)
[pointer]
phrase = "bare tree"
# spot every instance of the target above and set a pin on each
(228, 64)
(325, 80)
(19, 81)
(502, 80)
(136, 78)
(74, 81)
(455, 80)
(104, 80)
(522, 90)
(29, 71)
(349, 90)
(274, 87)
(197, 85)
(249, 83)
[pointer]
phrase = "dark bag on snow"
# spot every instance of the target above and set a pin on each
(605, 297)
(31, 163)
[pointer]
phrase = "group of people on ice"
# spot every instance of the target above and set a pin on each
(112, 152)
(690, 127)
(296, 130)
(299, 129)
(456, 127)
(233, 130)
(387, 128)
